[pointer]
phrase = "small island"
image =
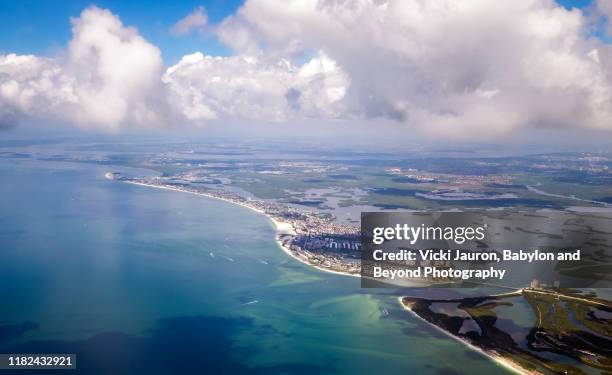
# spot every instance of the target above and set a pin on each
(531, 330)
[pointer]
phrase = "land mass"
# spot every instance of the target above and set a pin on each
(570, 331)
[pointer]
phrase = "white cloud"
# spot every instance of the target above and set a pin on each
(117, 72)
(195, 20)
(32, 85)
(206, 87)
(110, 77)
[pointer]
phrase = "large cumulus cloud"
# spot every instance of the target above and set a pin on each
(452, 66)
(110, 77)
(206, 87)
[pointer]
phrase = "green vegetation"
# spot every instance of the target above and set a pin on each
(571, 331)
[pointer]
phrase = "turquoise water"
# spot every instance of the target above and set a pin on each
(141, 280)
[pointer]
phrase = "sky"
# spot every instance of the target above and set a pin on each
(451, 68)
(42, 27)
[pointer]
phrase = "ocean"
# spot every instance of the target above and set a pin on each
(138, 280)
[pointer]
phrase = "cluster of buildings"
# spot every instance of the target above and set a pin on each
(537, 284)
(322, 257)
(451, 179)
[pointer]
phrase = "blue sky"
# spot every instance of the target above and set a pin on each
(575, 3)
(43, 28)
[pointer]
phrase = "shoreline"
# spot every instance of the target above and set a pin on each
(497, 358)
(280, 227)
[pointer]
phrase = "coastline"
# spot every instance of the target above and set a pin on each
(280, 227)
(285, 227)
(497, 358)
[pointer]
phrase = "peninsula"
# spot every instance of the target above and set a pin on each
(566, 324)
(307, 236)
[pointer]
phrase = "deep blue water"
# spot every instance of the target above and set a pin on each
(137, 280)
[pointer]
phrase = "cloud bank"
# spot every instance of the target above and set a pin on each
(450, 67)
